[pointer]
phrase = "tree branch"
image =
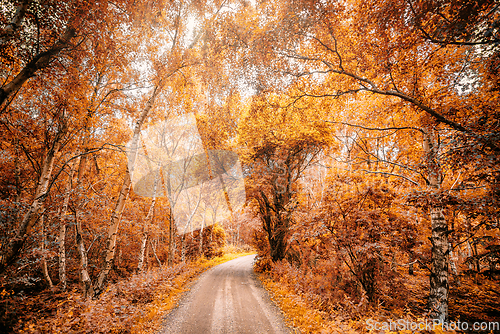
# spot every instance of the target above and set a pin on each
(377, 129)
(390, 174)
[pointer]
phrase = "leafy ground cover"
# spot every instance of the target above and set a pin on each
(134, 305)
(307, 310)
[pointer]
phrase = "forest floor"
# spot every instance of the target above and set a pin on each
(146, 303)
(473, 300)
(137, 304)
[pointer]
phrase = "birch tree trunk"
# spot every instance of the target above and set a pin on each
(147, 223)
(88, 289)
(469, 254)
(13, 248)
(153, 248)
(15, 23)
(122, 197)
(62, 233)
(142, 252)
(183, 249)
(439, 284)
(201, 239)
(453, 259)
(45, 270)
(145, 233)
(62, 257)
(170, 239)
(86, 282)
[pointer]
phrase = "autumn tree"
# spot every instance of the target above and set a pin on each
(279, 144)
(37, 36)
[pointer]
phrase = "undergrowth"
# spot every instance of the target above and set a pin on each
(134, 305)
(307, 311)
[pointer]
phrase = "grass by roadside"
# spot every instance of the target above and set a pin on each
(307, 314)
(134, 305)
(299, 314)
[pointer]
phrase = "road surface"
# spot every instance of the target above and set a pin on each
(227, 298)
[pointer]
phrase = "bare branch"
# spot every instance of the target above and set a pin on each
(370, 86)
(391, 174)
(378, 129)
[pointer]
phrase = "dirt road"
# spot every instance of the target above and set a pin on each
(226, 299)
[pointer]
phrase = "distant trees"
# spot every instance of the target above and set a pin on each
(279, 147)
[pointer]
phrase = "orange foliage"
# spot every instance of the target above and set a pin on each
(368, 132)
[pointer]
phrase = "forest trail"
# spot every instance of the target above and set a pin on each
(226, 299)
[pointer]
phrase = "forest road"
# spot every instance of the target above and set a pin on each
(227, 298)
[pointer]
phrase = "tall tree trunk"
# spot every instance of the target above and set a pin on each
(183, 249)
(201, 239)
(453, 266)
(453, 258)
(112, 234)
(439, 285)
(438, 298)
(146, 257)
(275, 226)
(170, 239)
(13, 26)
(13, 248)
(153, 248)
(237, 234)
(148, 222)
(62, 232)
(142, 251)
(476, 258)
(45, 270)
(469, 254)
(123, 195)
(88, 289)
(17, 170)
(86, 282)
(62, 257)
